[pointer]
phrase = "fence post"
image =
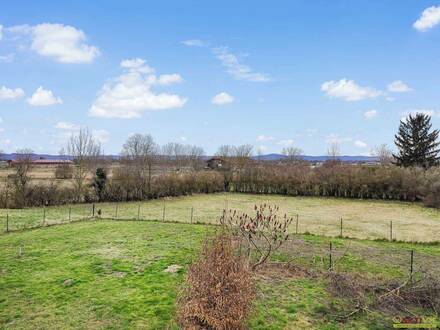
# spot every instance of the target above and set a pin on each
(7, 222)
(70, 212)
(391, 230)
(116, 212)
(163, 213)
(340, 234)
(44, 216)
(93, 210)
(330, 265)
(296, 225)
(192, 213)
(411, 268)
(139, 211)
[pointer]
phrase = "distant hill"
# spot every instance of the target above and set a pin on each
(269, 157)
(348, 159)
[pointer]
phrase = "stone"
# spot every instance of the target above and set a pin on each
(173, 269)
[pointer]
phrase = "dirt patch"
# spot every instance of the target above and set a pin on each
(280, 271)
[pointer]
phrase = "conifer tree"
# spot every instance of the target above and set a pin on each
(417, 143)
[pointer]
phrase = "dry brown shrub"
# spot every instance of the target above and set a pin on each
(219, 289)
(423, 292)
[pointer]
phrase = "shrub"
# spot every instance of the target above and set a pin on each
(219, 289)
(263, 234)
(64, 171)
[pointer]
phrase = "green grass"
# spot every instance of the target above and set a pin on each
(117, 278)
(367, 219)
(116, 268)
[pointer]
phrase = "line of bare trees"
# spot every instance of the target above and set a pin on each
(146, 170)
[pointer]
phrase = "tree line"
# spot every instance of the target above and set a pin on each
(146, 170)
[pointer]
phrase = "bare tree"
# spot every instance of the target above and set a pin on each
(334, 151)
(183, 155)
(225, 151)
(141, 153)
(195, 156)
(242, 155)
(384, 154)
(23, 164)
(292, 154)
(85, 150)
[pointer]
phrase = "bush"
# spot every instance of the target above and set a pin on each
(219, 289)
(64, 171)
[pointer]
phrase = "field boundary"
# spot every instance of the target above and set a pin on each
(94, 214)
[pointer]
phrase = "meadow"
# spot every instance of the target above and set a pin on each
(110, 275)
(364, 219)
(106, 274)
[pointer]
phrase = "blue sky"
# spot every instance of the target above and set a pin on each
(272, 74)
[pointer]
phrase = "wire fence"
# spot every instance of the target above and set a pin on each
(168, 211)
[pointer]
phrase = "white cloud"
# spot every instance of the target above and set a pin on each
(429, 18)
(10, 94)
(222, 98)
(168, 79)
(43, 97)
(348, 90)
(101, 135)
(183, 138)
(7, 58)
(261, 149)
(194, 43)
(236, 69)
(1, 32)
(360, 144)
(286, 143)
(66, 126)
(6, 141)
(263, 138)
(64, 43)
(334, 138)
(137, 65)
(131, 94)
(398, 86)
(370, 114)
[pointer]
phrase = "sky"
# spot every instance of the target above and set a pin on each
(273, 74)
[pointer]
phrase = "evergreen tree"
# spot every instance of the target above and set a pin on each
(99, 182)
(418, 145)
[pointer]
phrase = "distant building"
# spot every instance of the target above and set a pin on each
(215, 163)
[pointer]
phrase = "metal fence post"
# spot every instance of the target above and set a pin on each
(411, 268)
(139, 211)
(192, 213)
(391, 230)
(70, 213)
(330, 265)
(7, 222)
(44, 216)
(296, 226)
(340, 234)
(116, 212)
(163, 213)
(93, 210)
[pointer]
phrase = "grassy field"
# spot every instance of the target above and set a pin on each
(110, 275)
(368, 219)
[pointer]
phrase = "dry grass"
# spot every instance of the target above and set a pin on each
(361, 218)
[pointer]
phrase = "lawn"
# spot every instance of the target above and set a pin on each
(368, 219)
(110, 275)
